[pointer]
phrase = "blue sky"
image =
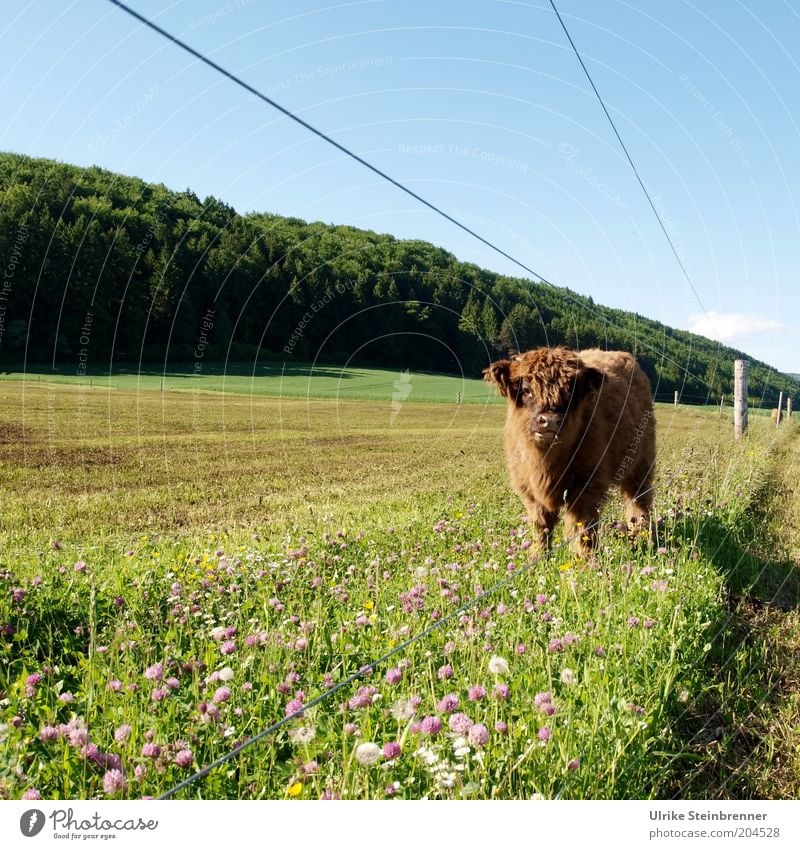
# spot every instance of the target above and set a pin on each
(478, 105)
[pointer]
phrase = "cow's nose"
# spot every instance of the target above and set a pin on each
(542, 420)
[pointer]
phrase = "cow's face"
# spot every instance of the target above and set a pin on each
(547, 388)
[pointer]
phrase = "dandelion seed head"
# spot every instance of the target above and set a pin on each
(498, 665)
(302, 735)
(368, 754)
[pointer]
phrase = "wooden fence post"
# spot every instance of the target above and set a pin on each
(780, 407)
(676, 397)
(789, 407)
(739, 397)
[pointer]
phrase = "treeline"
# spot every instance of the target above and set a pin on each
(102, 271)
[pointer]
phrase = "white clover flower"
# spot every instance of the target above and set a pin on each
(567, 676)
(225, 674)
(498, 665)
(368, 754)
(429, 757)
(448, 780)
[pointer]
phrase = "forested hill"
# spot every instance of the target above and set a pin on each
(103, 270)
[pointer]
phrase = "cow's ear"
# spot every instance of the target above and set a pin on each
(499, 373)
(591, 379)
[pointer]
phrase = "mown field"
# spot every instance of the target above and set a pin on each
(285, 380)
(178, 571)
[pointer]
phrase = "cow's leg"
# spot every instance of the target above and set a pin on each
(637, 491)
(542, 521)
(581, 520)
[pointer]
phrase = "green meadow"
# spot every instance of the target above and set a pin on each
(286, 380)
(181, 568)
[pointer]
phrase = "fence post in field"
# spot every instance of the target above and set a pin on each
(780, 407)
(789, 407)
(676, 397)
(739, 397)
(721, 405)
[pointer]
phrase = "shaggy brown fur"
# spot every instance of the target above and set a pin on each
(578, 422)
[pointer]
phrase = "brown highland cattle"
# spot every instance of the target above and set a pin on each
(578, 422)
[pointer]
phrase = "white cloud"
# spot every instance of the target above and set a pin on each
(730, 326)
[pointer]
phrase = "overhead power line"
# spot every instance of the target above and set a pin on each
(629, 158)
(410, 192)
(324, 136)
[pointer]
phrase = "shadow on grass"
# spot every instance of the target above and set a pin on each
(188, 370)
(722, 734)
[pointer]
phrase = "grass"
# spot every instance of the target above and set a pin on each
(285, 380)
(180, 570)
